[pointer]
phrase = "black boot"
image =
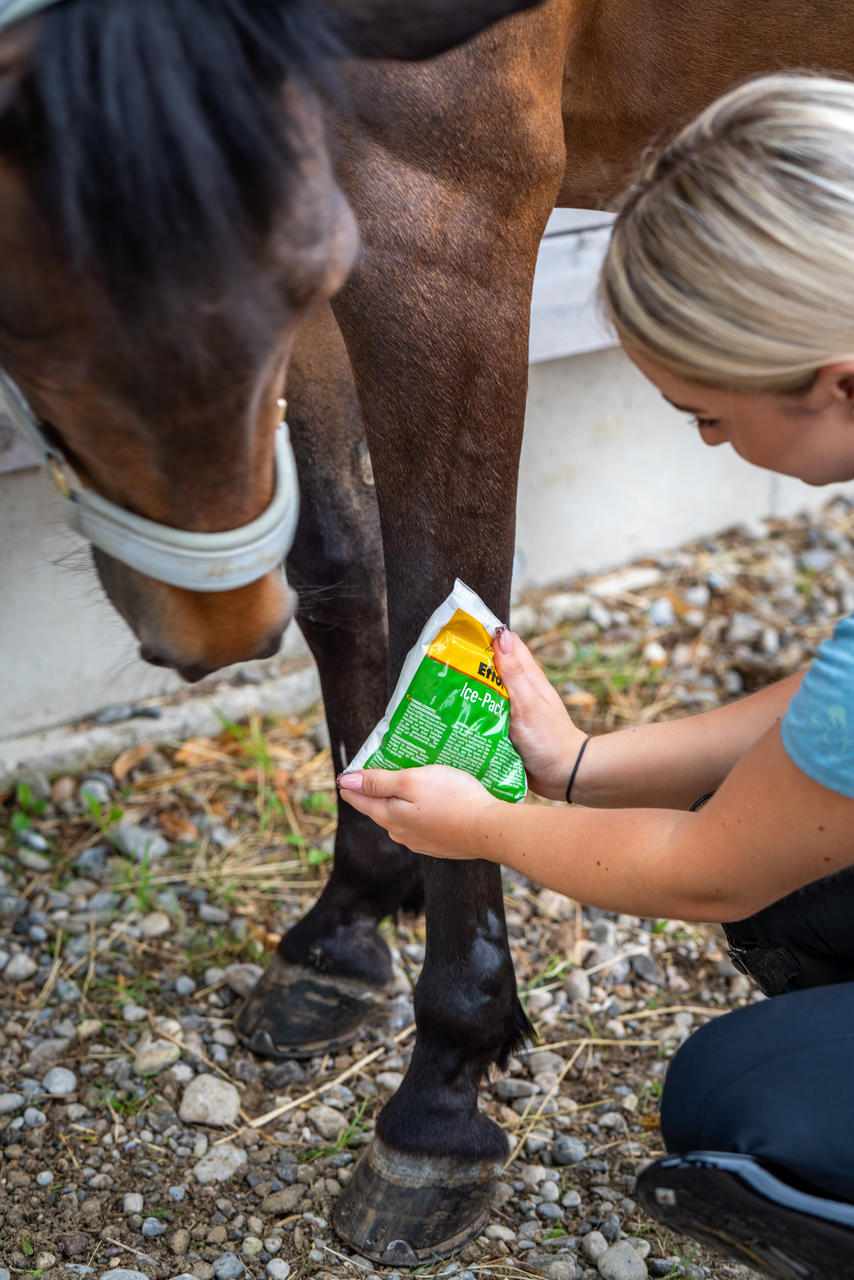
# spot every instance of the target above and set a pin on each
(737, 1206)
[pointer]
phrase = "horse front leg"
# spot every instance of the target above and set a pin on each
(441, 368)
(331, 969)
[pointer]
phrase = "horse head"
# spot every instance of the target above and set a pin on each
(169, 215)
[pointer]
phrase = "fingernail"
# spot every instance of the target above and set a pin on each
(350, 781)
(504, 636)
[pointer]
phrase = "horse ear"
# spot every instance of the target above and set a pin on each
(415, 28)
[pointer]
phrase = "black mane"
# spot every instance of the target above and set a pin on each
(151, 133)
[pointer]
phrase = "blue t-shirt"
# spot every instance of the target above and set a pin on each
(818, 728)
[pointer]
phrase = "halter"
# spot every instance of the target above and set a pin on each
(180, 557)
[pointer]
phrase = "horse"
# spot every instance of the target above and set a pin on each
(205, 200)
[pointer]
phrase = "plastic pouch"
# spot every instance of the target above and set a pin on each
(450, 705)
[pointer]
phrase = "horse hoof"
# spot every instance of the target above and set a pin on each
(294, 1012)
(401, 1209)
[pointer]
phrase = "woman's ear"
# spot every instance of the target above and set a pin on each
(835, 382)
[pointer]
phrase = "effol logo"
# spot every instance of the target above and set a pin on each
(486, 672)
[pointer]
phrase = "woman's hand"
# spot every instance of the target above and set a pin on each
(540, 727)
(432, 809)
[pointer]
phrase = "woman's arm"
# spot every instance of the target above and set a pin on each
(668, 765)
(768, 830)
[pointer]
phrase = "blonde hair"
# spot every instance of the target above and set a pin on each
(732, 258)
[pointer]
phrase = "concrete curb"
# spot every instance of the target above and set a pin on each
(70, 748)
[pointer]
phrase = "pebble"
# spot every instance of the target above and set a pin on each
(45, 1178)
(155, 925)
(210, 1100)
(152, 1228)
(221, 1163)
(326, 1121)
(20, 968)
(33, 861)
(153, 1056)
(594, 1245)
(241, 978)
(34, 1118)
(278, 1269)
(228, 1267)
(122, 1273)
(132, 1202)
(621, 1262)
(59, 1082)
(184, 985)
(661, 613)
(568, 1150)
(140, 843)
(11, 1102)
(577, 985)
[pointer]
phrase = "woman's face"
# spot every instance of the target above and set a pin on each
(810, 436)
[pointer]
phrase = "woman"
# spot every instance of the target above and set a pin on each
(730, 282)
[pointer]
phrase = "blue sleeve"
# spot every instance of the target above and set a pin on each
(818, 728)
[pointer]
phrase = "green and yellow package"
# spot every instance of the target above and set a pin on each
(450, 705)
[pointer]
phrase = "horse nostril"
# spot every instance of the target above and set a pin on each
(271, 648)
(194, 672)
(152, 658)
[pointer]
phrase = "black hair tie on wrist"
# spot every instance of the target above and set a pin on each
(575, 769)
(698, 804)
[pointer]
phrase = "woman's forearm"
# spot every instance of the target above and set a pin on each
(670, 765)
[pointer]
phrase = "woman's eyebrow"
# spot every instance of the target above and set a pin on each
(683, 408)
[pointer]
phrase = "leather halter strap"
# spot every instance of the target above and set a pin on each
(180, 557)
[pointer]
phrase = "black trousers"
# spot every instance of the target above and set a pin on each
(775, 1080)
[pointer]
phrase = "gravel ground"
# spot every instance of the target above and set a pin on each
(138, 901)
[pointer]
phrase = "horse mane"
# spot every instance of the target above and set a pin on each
(151, 134)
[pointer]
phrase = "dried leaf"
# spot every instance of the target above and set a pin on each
(129, 759)
(201, 751)
(175, 827)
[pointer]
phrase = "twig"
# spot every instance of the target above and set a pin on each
(44, 994)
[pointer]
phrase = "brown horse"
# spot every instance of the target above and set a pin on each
(178, 194)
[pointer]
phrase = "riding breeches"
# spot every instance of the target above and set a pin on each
(774, 1079)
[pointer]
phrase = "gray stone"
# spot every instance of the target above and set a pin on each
(34, 1118)
(221, 1163)
(213, 915)
(561, 1266)
(279, 1203)
(132, 1202)
(241, 978)
(94, 794)
(154, 1055)
(661, 613)
(512, 1087)
(621, 1262)
(152, 1228)
(564, 606)
(817, 559)
(33, 861)
(12, 905)
(155, 924)
(568, 1150)
(11, 1102)
(184, 985)
(326, 1121)
(594, 1245)
(278, 1269)
(577, 985)
(646, 967)
(59, 1082)
(228, 1267)
(32, 840)
(20, 968)
(122, 1273)
(140, 842)
(210, 1100)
